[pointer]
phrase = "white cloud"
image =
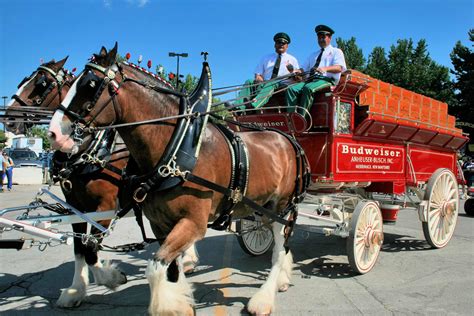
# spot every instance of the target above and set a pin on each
(138, 3)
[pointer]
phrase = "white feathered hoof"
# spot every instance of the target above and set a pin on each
(109, 276)
(168, 298)
(71, 297)
(284, 278)
(189, 267)
(261, 303)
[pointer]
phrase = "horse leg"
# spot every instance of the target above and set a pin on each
(104, 273)
(74, 294)
(168, 297)
(262, 303)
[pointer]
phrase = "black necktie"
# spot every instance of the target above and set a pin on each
(316, 64)
(276, 67)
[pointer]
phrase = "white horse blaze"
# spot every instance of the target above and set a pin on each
(60, 124)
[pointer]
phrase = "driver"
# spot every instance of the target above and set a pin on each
(270, 67)
(322, 67)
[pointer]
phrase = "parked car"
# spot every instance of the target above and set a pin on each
(25, 157)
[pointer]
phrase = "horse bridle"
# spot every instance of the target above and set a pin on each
(110, 73)
(79, 122)
(60, 78)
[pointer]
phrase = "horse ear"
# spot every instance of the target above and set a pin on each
(103, 51)
(60, 64)
(113, 54)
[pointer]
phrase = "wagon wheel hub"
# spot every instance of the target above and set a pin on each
(447, 209)
(372, 237)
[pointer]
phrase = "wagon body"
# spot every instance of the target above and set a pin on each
(365, 139)
(348, 144)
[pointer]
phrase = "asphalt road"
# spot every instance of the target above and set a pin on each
(409, 277)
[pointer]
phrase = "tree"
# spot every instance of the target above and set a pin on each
(377, 66)
(40, 131)
(412, 68)
(3, 139)
(463, 62)
(190, 81)
(352, 53)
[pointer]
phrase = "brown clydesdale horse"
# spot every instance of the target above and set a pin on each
(85, 187)
(108, 93)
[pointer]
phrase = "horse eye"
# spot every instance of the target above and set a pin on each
(41, 82)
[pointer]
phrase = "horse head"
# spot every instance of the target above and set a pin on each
(66, 129)
(103, 93)
(44, 89)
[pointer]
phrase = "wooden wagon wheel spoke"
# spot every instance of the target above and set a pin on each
(443, 202)
(256, 238)
(365, 236)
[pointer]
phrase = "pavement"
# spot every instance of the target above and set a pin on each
(408, 279)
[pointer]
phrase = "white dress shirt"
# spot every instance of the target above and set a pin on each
(331, 56)
(265, 67)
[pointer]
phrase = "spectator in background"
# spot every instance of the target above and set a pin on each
(47, 165)
(2, 171)
(8, 170)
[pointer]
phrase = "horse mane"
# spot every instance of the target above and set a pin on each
(149, 73)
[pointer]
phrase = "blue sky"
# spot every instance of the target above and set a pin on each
(235, 33)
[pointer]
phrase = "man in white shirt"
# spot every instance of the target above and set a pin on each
(322, 67)
(270, 67)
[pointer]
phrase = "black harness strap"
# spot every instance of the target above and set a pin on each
(237, 196)
(239, 179)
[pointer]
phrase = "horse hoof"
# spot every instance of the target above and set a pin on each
(189, 267)
(284, 288)
(259, 308)
(70, 298)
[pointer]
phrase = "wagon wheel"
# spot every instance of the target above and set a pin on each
(256, 238)
(469, 206)
(365, 236)
(442, 195)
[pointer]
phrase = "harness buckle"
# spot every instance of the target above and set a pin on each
(236, 196)
(137, 197)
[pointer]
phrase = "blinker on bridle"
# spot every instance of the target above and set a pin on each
(79, 123)
(42, 83)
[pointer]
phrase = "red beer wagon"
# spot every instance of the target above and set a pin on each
(368, 142)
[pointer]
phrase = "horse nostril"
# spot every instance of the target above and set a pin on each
(51, 135)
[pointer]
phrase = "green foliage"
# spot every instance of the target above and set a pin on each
(463, 61)
(412, 68)
(3, 139)
(190, 81)
(40, 131)
(119, 58)
(352, 53)
(377, 65)
(462, 58)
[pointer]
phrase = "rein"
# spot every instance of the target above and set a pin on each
(168, 168)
